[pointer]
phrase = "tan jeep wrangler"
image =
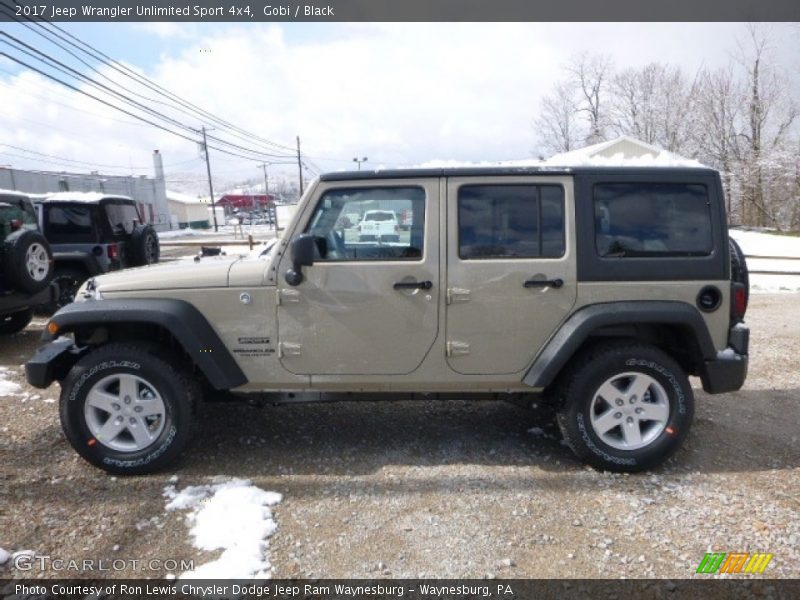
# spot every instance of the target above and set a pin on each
(600, 288)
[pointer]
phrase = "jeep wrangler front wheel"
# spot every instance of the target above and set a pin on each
(127, 410)
(625, 407)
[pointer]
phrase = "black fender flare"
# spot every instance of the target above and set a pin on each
(182, 319)
(563, 345)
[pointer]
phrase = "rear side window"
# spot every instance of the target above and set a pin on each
(68, 224)
(122, 217)
(510, 221)
(652, 219)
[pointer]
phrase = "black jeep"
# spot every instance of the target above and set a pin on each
(94, 233)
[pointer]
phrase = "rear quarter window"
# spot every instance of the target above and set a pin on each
(122, 216)
(640, 219)
(70, 224)
(510, 221)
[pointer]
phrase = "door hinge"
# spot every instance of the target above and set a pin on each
(285, 296)
(457, 295)
(287, 349)
(457, 349)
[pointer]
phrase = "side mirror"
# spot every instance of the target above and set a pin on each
(303, 247)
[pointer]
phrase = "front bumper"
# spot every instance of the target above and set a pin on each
(52, 362)
(727, 372)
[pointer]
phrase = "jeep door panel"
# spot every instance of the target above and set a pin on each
(497, 241)
(348, 316)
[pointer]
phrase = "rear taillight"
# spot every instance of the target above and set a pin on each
(112, 251)
(738, 301)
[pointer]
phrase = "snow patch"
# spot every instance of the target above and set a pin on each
(759, 243)
(7, 387)
(229, 515)
(188, 232)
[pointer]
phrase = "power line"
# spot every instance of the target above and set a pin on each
(253, 157)
(90, 164)
(70, 72)
(141, 80)
(185, 107)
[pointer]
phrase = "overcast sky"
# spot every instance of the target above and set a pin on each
(400, 94)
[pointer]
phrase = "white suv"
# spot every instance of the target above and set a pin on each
(379, 225)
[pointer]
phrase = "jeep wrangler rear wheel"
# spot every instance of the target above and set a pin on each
(625, 406)
(127, 410)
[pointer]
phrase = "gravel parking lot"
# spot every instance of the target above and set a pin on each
(433, 489)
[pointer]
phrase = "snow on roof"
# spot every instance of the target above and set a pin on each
(652, 156)
(663, 159)
(455, 164)
(185, 198)
(88, 197)
(12, 192)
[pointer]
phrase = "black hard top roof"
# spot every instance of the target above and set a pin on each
(500, 171)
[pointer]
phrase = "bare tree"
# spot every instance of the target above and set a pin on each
(719, 120)
(654, 104)
(557, 125)
(633, 103)
(770, 116)
(591, 74)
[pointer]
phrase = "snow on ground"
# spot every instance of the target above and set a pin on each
(7, 387)
(231, 515)
(225, 232)
(758, 243)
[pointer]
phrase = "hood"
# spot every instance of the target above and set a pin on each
(206, 273)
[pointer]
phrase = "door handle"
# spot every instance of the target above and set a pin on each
(413, 285)
(556, 283)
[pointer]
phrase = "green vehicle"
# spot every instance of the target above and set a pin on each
(26, 263)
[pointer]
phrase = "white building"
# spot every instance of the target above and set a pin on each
(624, 150)
(188, 211)
(148, 192)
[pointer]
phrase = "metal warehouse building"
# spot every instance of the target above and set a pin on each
(149, 193)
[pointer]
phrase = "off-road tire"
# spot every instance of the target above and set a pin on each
(144, 246)
(180, 393)
(28, 261)
(576, 389)
(16, 321)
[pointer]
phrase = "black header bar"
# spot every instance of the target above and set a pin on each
(253, 11)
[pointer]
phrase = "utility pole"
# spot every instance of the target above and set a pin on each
(273, 211)
(266, 181)
(299, 166)
(210, 185)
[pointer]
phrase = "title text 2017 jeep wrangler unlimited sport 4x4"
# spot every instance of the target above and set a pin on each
(601, 288)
